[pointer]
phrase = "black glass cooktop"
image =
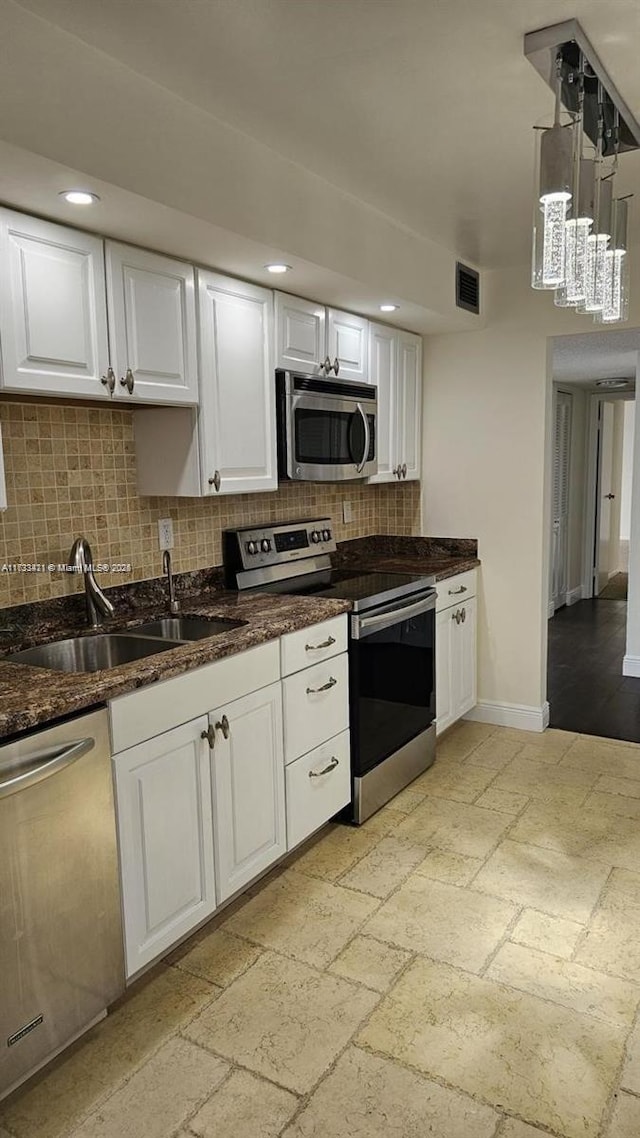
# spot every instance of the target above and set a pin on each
(364, 589)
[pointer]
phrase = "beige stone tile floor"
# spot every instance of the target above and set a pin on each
(465, 965)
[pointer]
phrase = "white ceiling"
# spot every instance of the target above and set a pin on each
(587, 357)
(422, 108)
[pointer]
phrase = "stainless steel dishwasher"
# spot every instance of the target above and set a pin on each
(61, 949)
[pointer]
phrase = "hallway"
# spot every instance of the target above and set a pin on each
(586, 689)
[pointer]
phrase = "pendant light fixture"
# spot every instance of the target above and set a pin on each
(554, 189)
(579, 231)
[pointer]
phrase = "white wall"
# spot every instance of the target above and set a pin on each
(627, 475)
(487, 474)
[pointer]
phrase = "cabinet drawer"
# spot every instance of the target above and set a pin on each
(318, 785)
(454, 590)
(316, 706)
(153, 710)
(311, 645)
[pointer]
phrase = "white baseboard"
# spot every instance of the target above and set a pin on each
(631, 666)
(573, 595)
(518, 715)
(551, 610)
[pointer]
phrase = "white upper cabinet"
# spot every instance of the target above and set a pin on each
(348, 344)
(320, 341)
(53, 313)
(409, 371)
(300, 333)
(229, 445)
(152, 326)
(237, 409)
(248, 788)
(395, 366)
(382, 372)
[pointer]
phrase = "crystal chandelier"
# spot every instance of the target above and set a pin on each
(579, 227)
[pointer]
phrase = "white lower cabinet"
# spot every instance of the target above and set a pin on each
(318, 786)
(456, 658)
(206, 806)
(166, 840)
(248, 788)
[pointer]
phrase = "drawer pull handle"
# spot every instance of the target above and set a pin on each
(331, 683)
(223, 725)
(325, 770)
(454, 592)
(318, 647)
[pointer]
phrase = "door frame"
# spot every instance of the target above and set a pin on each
(559, 390)
(591, 495)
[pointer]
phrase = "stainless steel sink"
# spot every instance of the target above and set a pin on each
(186, 627)
(89, 653)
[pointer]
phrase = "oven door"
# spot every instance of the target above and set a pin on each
(392, 679)
(330, 440)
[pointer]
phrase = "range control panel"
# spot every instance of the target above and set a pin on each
(277, 544)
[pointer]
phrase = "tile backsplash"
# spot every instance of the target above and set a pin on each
(71, 470)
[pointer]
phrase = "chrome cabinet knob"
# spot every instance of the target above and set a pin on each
(336, 365)
(209, 735)
(109, 380)
(216, 480)
(327, 365)
(404, 470)
(128, 381)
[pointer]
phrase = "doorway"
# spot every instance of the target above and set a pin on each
(592, 464)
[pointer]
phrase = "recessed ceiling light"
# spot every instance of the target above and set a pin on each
(611, 383)
(389, 307)
(79, 197)
(278, 267)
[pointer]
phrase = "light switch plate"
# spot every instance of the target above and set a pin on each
(347, 512)
(165, 533)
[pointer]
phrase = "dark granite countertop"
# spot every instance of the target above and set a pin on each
(32, 696)
(434, 557)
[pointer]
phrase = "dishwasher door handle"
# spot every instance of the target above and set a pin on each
(48, 763)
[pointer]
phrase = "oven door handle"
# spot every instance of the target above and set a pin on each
(362, 626)
(367, 439)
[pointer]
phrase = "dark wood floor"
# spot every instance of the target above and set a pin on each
(586, 689)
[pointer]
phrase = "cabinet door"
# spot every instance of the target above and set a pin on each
(248, 788)
(445, 629)
(465, 659)
(53, 309)
(300, 334)
(152, 326)
(383, 360)
(237, 390)
(163, 791)
(410, 409)
(348, 342)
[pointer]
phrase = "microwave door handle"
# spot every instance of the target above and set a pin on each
(367, 438)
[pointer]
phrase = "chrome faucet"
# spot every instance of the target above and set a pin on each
(97, 604)
(174, 607)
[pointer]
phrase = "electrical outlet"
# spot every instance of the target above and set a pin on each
(165, 533)
(347, 512)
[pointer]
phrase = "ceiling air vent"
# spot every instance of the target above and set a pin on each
(467, 288)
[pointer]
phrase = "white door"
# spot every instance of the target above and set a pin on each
(152, 326)
(248, 788)
(383, 360)
(464, 659)
(237, 389)
(348, 344)
(605, 554)
(444, 670)
(409, 371)
(300, 333)
(53, 309)
(560, 498)
(163, 791)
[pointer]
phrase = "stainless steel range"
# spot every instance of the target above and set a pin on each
(391, 647)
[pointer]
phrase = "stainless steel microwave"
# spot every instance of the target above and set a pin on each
(326, 428)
